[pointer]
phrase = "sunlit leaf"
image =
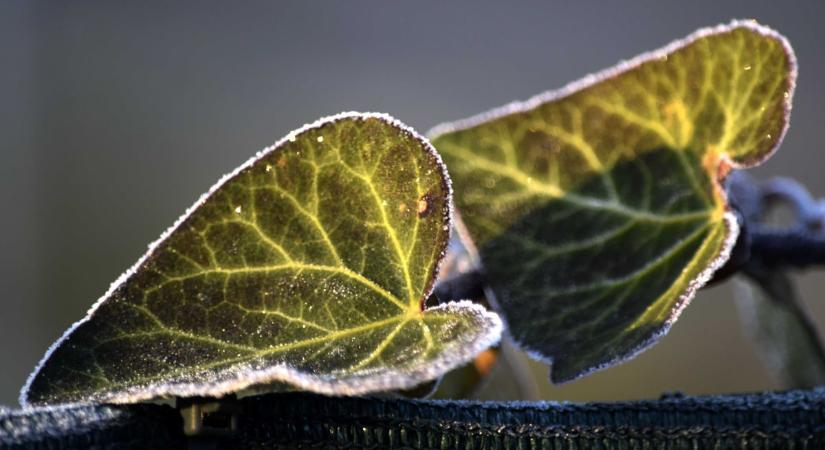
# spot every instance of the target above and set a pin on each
(306, 267)
(596, 210)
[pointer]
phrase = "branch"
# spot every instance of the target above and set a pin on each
(800, 244)
(795, 248)
(468, 285)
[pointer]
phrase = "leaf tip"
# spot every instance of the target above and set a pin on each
(564, 370)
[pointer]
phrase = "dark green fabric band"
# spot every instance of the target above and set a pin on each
(794, 420)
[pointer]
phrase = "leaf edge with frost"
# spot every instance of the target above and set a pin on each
(283, 373)
(725, 164)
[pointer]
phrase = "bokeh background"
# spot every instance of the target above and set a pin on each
(116, 116)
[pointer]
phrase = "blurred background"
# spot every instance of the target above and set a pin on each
(115, 117)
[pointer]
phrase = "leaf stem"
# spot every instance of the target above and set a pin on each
(799, 244)
(795, 248)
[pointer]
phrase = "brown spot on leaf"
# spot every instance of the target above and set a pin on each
(424, 205)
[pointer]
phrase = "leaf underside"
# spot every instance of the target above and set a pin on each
(596, 211)
(305, 268)
(776, 321)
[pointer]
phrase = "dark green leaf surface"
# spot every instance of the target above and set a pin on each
(305, 268)
(596, 211)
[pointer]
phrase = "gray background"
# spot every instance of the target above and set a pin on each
(115, 116)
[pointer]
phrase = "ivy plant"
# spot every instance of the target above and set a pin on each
(598, 210)
(589, 216)
(305, 268)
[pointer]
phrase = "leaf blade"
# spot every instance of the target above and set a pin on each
(591, 185)
(780, 329)
(308, 265)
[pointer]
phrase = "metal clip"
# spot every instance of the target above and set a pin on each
(209, 417)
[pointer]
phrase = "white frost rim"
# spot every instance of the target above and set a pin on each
(283, 372)
(623, 66)
(243, 376)
(732, 225)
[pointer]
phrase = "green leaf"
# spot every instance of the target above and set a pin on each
(307, 268)
(781, 329)
(596, 211)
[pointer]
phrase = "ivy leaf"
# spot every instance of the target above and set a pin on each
(307, 267)
(781, 330)
(596, 210)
